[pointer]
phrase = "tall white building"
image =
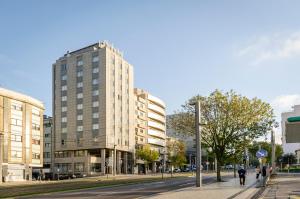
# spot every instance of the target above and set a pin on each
(289, 147)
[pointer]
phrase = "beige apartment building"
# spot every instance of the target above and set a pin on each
(150, 126)
(48, 162)
(93, 108)
(21, 135)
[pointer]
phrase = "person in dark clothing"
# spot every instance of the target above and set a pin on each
(242, 175)
(264, 175)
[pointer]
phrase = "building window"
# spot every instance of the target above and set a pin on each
(63, 142)
(36, 142)
(47, 145)
(95, 93)
(64, 119)
(47, 155)
(95, 104)
(16, 154)
(64, 77)
(79, 106)
(64, 88)
(79, 167)
(47, 135)
(79, 73)
(95, 59)
(79, 128)
(36, 156)
(64, 130)
(95, 115)
(64, 109)
(16, 138)
(79, 117)
(17, 107)
(79, 63)
(95, 126)
(16, 122)
(95, 70)
(36, 127)
(79, 95)
(95, 81)
(79, 85)
(64, 98)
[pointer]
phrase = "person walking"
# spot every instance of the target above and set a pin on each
(257, 171)
(242, 175)
(264, 175)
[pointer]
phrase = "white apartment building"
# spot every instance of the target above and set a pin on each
(289, 147)
(150, 125)
(21, 135)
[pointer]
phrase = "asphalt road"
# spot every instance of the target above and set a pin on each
(141, 190)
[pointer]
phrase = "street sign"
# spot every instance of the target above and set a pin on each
(261, 153)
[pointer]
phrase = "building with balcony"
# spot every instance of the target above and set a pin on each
(93, 108)
(150, 126)
(21, 135)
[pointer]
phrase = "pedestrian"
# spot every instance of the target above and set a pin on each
(242, 175)
(257, 171)
(264, 175)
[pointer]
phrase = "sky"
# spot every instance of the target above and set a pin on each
(178, 48)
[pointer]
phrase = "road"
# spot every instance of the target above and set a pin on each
(128, 191)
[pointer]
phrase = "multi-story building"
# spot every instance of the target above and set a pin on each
(150, 125)
(21, 135)
(290, 145)
(48, 147)
(93, 107)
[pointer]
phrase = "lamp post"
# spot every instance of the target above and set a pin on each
(273, 151)
(198, 143)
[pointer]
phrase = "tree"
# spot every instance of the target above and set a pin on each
(228, 118)
(145, 153)
(254, 147)
(289, 158)
(176, 153)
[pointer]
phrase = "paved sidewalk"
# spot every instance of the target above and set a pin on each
(217, 190)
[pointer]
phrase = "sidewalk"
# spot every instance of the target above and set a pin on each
(217, 190)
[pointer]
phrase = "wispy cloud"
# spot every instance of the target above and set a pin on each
(271, 47)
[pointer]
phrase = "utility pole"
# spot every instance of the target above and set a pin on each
(273, 151)
(198, 144)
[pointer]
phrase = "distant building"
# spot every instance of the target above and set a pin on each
(21, 135)
(297, 152)
(48, 147)
(291, 130)
(150, 125)
(93, 112)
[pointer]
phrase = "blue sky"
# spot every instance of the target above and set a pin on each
(178, 48)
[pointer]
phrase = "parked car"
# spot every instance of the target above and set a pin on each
(177, 170)
(186, 169)
(229, 166)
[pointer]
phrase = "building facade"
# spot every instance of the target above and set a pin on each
(21, 135)
(93, 107)
(48, 147)
(287, 146)
(150, 125)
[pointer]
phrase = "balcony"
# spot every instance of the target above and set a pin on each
(156, 133)
(157, 125)
(156, 108)
(156, 141)
(156, 100)
(156, 117)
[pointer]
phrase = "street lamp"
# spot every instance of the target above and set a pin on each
(198, 143)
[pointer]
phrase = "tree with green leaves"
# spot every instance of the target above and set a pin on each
(176, 153)
(227, 120)
(148, 155)
(254, 147)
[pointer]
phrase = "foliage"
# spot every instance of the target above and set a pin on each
(176, 153)
(229, 120)
(288, 158)
(145, 153)
(268, 147)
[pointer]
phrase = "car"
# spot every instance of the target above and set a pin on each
(229, 166)
(177, 170)
(186, 169)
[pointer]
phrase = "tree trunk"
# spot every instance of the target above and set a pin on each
(234, 170)
(219, 179)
